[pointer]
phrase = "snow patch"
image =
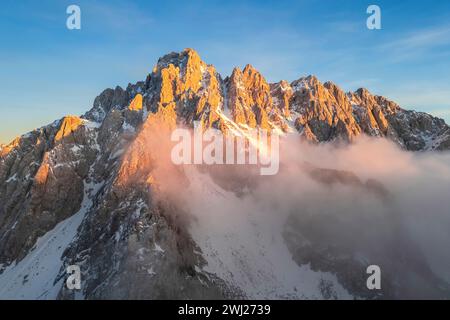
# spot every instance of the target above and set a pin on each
(127, 127)
(158, 248)
(246, 253)
(12, 178)
(34, 276)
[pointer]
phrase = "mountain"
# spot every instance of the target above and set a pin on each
(88, 190)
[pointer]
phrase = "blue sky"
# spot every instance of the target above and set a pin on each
(48, 71)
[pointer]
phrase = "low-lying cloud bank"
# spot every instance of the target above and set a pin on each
(331, 209)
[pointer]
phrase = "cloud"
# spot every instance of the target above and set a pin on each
(442, 113)
(417, 44)
(423, 39)
(369, 201)
(421, 96)
(120, 16)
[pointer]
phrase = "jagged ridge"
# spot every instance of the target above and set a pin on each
(82, 164)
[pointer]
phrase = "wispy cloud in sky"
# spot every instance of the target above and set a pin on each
(418, 44)
(423, 39)
(442, 113)
(118, 16)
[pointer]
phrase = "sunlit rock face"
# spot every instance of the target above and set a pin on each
(105, 168)
(182, 82)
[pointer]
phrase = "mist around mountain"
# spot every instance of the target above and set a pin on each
(362, 182)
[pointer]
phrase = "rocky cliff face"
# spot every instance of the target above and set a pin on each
(97, 169)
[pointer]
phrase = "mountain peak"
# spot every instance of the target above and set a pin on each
(363, 92)
(179, 59)
(249, 69)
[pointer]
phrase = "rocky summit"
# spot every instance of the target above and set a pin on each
(84, 189)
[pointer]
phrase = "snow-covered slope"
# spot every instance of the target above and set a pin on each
(246, 248)
(35, 276)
